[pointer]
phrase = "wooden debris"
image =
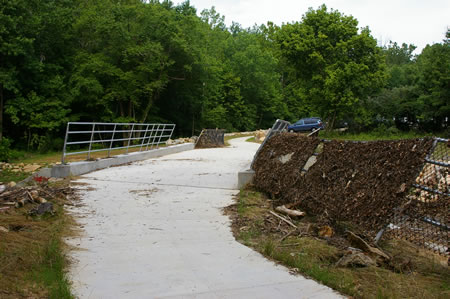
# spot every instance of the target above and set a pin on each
(364, 246)
(283, 219)
(288, 234)
(293, 213)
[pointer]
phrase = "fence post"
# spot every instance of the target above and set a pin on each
(149, 137)
(154, 136)
(129, 139)
(145, 135)
(160, 136)
(171, 132)
(112, 140)
(90, 142)
(65, 144)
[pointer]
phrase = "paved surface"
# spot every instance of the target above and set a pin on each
(155, 229)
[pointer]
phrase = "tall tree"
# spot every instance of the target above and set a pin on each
(434, 83)
(336, 66)
(35, 58)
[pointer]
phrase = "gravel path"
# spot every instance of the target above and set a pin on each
(155, 229)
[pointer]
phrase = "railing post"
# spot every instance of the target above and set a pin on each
(155, 136)
(129, 139)
(65, 144)
(150, 137)
(112, 140)
(160, 135)
(171, 132)
(90, 142)
(145, 135)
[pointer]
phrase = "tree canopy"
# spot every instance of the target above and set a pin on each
(153, 61)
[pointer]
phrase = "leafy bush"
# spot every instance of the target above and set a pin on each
(5, 151)
(48, 143)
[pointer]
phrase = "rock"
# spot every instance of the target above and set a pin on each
(4, 229)
(355, 260)
(364, 246)
(326, 232)
(2, 188)
(11, 184)
(260, 135)
(31, 167)
(170, 142)
(43, 208)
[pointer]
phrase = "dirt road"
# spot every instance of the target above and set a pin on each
(155, 229)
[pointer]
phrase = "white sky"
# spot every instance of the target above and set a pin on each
(418, 22)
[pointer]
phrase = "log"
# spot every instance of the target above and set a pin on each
(293, 213)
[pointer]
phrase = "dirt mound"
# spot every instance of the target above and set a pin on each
(278, 165)
(210, 138)
(362, 183)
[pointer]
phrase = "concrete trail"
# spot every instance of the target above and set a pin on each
(155, 229)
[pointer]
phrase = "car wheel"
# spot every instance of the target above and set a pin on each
(291, 131)
(313, 129)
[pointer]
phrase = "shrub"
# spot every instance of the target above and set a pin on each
(5, 151)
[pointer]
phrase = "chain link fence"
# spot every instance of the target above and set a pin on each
(424, 219)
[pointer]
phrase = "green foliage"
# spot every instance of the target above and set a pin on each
(5, 151)
(434, 82)
(7, 175)
(335, 65)
(153, 61)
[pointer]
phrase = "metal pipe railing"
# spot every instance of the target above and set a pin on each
(120, 133)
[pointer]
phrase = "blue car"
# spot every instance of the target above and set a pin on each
(306, 124)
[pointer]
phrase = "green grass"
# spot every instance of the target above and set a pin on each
(369, 136)
(6, 176)
(239, 135)
(32, 256)
(51, 271)
(253, 139)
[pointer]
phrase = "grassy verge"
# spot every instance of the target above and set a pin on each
(32, 259)
(374, 135)
(253, 139)
(238, 135)
(7, 175)
(55, 157)
(425, 275)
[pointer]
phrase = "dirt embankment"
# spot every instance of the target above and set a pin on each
(362, 183)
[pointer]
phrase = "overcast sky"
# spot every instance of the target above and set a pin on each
(417, 22)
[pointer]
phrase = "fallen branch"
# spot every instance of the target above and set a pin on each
(284, 219)
(293, 213)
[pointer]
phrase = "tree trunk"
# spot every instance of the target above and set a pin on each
(1, 112)
(331, 121)
(149, 105)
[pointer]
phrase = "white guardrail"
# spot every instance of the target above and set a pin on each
(90, 137)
